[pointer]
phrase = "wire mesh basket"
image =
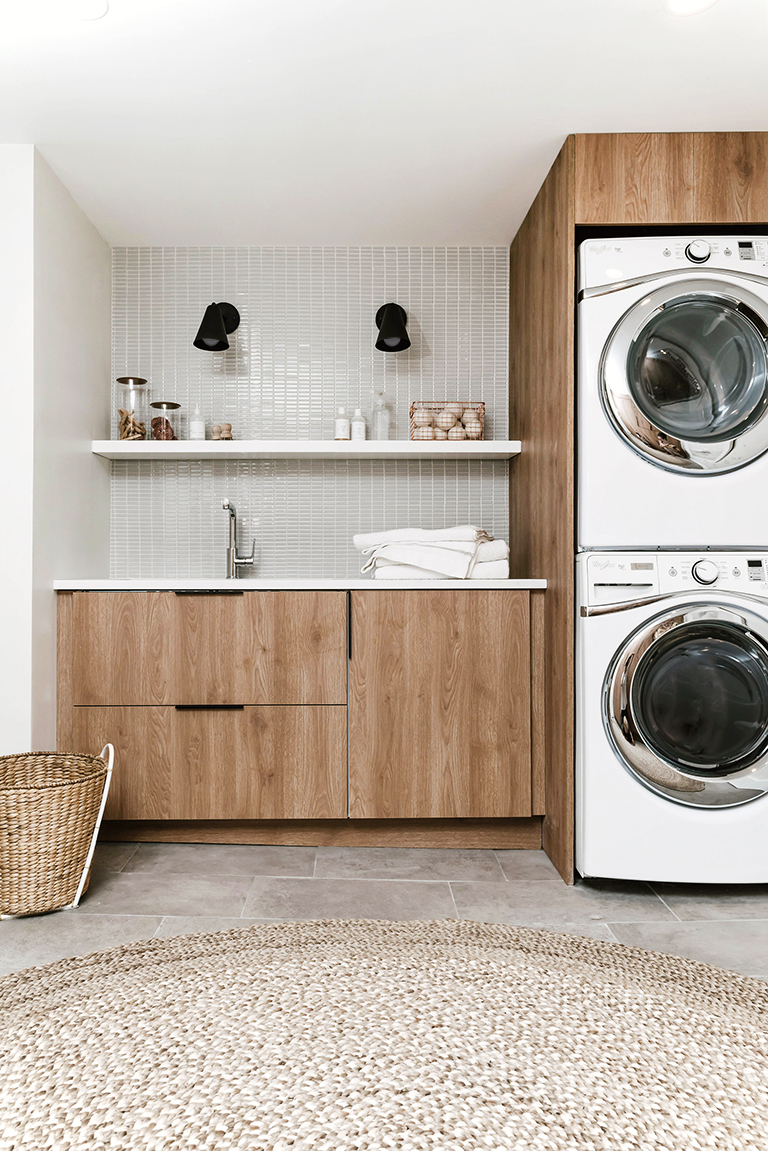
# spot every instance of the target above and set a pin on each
(50, 813)
(447, 420)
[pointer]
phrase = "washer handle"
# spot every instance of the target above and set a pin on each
(611, 609)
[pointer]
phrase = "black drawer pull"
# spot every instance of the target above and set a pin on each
(209, 706)
(207, 591)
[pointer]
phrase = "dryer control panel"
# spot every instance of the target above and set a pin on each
(603, 262)
(623, 577)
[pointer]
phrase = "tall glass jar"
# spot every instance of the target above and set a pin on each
(132, 408)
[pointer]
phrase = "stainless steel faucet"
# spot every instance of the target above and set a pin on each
(234, 561)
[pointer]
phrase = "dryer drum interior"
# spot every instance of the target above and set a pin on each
(698, 369)
(684, 377)
(687, 708)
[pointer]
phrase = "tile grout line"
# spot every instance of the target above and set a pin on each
(503, 872)
(453, 898)
(664, 902)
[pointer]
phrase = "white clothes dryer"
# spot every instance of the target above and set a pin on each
(672, 431)
(672, 716)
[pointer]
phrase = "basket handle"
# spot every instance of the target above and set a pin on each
(109, 749)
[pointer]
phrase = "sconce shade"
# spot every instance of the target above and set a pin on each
(219, 321)
(391, 320)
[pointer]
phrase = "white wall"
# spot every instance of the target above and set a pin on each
(72, 291)
(54, 495)
(17, 451)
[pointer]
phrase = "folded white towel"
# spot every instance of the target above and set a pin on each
(465, 532)
(495, 550)
(451, 563)
(496, 569)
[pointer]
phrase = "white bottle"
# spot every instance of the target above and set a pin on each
(380, 418)
(359, 426)
(197, 425)
(341, 425)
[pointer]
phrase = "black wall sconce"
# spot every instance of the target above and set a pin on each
(219, 321)
(391, 320)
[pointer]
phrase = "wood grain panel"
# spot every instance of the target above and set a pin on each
(538, 707)
(64, 672)
(634, 178)
(542, 491)
(254, 763)
(439, 699)
(140, 648)
(731, 177)
(489, 833)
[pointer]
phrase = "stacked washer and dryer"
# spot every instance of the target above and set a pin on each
(672, 563)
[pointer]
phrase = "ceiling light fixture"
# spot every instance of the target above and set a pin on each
(688, 7)
(86, 9)
(219, 321)
(391, 320)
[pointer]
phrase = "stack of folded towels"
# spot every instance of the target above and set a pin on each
(464, 552)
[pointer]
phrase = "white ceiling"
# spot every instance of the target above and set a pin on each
(354, 121)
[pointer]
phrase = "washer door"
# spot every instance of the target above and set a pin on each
(684, 377)
(686, 705)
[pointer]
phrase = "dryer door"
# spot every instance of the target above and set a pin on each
(684, 376)
(686, 705)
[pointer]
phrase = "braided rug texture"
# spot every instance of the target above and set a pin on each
(368, 1036)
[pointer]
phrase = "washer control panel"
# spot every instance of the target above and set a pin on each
(622, 577)
(604, 262)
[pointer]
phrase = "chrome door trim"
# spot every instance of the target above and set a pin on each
(612, 608)
(632, 425)
(680, 273)
(691, 787)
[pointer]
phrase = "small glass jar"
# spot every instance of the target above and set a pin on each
(132, 422)
(165, 420)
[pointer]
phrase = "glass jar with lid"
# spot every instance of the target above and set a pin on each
(132, 422)
(165, 420)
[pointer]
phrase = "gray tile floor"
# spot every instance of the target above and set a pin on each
(154, 889)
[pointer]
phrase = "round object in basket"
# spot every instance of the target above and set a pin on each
(50, 812)
(445, 419)
(424, 434)
(457, 433)
(422, 419)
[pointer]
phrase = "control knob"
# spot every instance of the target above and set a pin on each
(698, 251)
(705, 571)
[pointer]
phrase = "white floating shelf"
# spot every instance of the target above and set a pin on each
(307, 449)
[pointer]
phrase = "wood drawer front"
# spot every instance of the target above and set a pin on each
(440, 704)
(142, 648)
(249, 763)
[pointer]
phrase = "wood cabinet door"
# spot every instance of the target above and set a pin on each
(634, 178)
(439, 704)
(257, 647)
(731, 175)
(242, 763)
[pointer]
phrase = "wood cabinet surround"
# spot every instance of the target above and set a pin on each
(219, 713)
(670, 178)
(626, 181)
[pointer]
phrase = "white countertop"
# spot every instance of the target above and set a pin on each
(287, 584)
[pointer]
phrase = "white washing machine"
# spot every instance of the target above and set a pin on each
(672, 716)
(673, 392)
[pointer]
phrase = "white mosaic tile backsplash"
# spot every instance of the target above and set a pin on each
(305, 346)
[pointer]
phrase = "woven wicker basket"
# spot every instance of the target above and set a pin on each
(50, 811)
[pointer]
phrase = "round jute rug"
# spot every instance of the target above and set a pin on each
(368, 1035)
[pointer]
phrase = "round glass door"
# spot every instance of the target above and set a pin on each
(700, 698)
(685, 377)
(686, 706)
